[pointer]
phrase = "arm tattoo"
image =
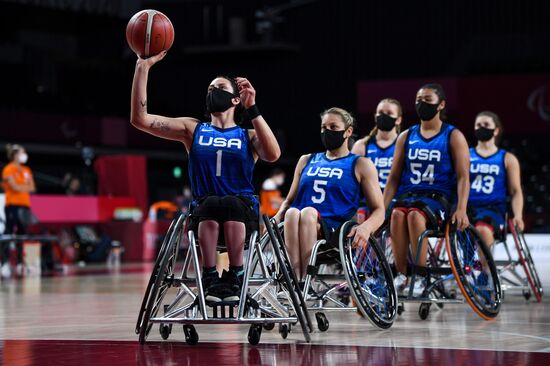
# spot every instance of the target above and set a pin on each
(144, 104)
(159, 125)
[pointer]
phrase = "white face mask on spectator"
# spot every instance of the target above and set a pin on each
(23, 158)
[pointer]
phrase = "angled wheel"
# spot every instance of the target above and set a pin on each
(474, 270)
(160, 256)
(524, 256)
(289, 278)
(370, 279)
(162, 280)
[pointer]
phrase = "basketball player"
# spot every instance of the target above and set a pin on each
(326, 189)
(494, 174)
(379, 144)
(430, 168)
(221, 160)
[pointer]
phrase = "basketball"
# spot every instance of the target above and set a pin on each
(149, 32)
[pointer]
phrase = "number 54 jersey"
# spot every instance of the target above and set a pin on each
(220, 162)
(428, 163)
(488, 179)
(329, 186)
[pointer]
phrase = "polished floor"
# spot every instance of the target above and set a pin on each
(91, 313)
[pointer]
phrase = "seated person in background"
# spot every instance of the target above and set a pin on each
(494, 174)
(327, 188)
(270, 195)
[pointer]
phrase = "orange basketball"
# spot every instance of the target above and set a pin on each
(149, 32)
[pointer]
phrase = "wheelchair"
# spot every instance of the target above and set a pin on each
(527, 282)
(335, 273)
(176, 290)
(455, 259)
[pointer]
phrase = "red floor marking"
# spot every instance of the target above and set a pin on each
(98, 353)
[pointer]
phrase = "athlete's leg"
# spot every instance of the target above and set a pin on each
(208, 240)
(416, 222)
(399, 239)
(308, 236)
(292, 238)
(235, 233)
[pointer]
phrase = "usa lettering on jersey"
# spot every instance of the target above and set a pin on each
(325, 172)
(424, 154)
(220, 142)
(383, 162)
(485, 168)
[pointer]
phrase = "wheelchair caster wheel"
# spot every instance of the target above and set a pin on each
(440, 305)
(284, 329)
(400, 309)
(165, 330)
(452, 294)
(526, 294)
(191, 335)
(254, 334)
(322, 322)
(269, 326)
(424, 311)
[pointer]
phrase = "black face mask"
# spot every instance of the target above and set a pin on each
(219, 100)
(385, 122)
(484, 133)
(332, 139)
(426, 111)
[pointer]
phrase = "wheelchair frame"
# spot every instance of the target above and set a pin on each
(258, 307)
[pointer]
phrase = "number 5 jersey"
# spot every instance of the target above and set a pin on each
(331, 187)
(221, 162)
(488, 180)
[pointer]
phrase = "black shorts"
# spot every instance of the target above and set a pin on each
(226, 208)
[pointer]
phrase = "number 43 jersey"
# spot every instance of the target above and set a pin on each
(220, 162)
(428, 163)
(331, 187)
(488, 179)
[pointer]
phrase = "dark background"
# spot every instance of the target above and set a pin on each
(66, 70)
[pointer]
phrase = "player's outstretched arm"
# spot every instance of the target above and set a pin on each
(179, 129)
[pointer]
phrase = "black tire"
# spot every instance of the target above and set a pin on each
(284, 329)
(289, 278)
(269, 326)
(400, 309)
(165, 330)
(322, 322)
(162, 275)
(191, 335)
(161, 254)
(371, 285)
(254, 334)
(424, 311)
(470, 260)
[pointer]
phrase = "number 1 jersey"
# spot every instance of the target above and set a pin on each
(331, 187)
(220, 162)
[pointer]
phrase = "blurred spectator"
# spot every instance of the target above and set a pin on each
(270, 195)
(18, 183)
(184, 200)
(72, 185)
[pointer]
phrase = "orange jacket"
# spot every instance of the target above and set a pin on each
(21, 175)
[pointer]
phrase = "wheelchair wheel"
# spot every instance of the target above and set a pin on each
(161, 254)
(474, 270)
(161, 279)
(370, 279)
(524, 255)
(289, 277)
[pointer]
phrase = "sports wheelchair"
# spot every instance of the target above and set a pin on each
(177, 292)
(455, 259)
(529, 283)
(362, 273)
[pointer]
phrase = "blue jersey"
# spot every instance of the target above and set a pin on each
(488, 180)
(330, 186)
(220, 162)
(382, 159)
(428, 164)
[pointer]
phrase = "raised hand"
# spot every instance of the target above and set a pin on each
(150, 61)
(246, 91)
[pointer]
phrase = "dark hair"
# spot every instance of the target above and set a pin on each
(374, 131)
(12, 149)
(239, 108)
(498, 123)
(438, 90)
